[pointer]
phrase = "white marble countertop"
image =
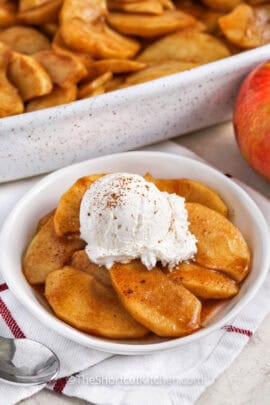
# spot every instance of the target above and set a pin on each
(247, 381)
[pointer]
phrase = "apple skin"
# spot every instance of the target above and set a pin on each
(252, 119)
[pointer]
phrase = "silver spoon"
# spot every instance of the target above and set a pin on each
(24, 361)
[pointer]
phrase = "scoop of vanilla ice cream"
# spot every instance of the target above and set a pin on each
(124, 217)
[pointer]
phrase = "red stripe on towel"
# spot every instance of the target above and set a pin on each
(3, 287)
(231, 328)
(10, 321)
(60, 384)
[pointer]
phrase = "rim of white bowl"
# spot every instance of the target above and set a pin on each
(111, 346)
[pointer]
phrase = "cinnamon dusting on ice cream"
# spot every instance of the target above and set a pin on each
(130, 218)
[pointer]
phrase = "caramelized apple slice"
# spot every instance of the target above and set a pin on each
(202, 282)
(64, 70)
(153, 300)
(11, 102)
(221, 245)
(83, 302)
(30, 78)
(192, 191)
(58, 96)
(247, 27)
(86, 89)
(66, 219)
(148, 26)
(155, 71)
(81, 262)
(189, 45)
(43, 13)
(100, 67)
(24, 39)
(48, 252)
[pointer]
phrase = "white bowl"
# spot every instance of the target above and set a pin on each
(42, 141)
(21, 223)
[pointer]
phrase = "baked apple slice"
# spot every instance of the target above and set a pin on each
(153, 300)
(83, 302)
(67, 215)
(192, 191)
(28, 76)
(202, 282)
(48, 252)
(221, 245)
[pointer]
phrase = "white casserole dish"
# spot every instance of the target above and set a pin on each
(45, 140)
(43, 197)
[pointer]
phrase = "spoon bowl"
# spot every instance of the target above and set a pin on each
(25, 361)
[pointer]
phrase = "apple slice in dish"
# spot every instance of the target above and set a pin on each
(83, 302)
(221, 246)
(48, 252)
(153, 300)
(192, 191)
(202, 282)
(67, 215)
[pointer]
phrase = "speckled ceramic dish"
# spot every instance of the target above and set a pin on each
(45, 140)
(21, 223)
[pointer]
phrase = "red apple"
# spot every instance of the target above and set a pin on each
(252, 119)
